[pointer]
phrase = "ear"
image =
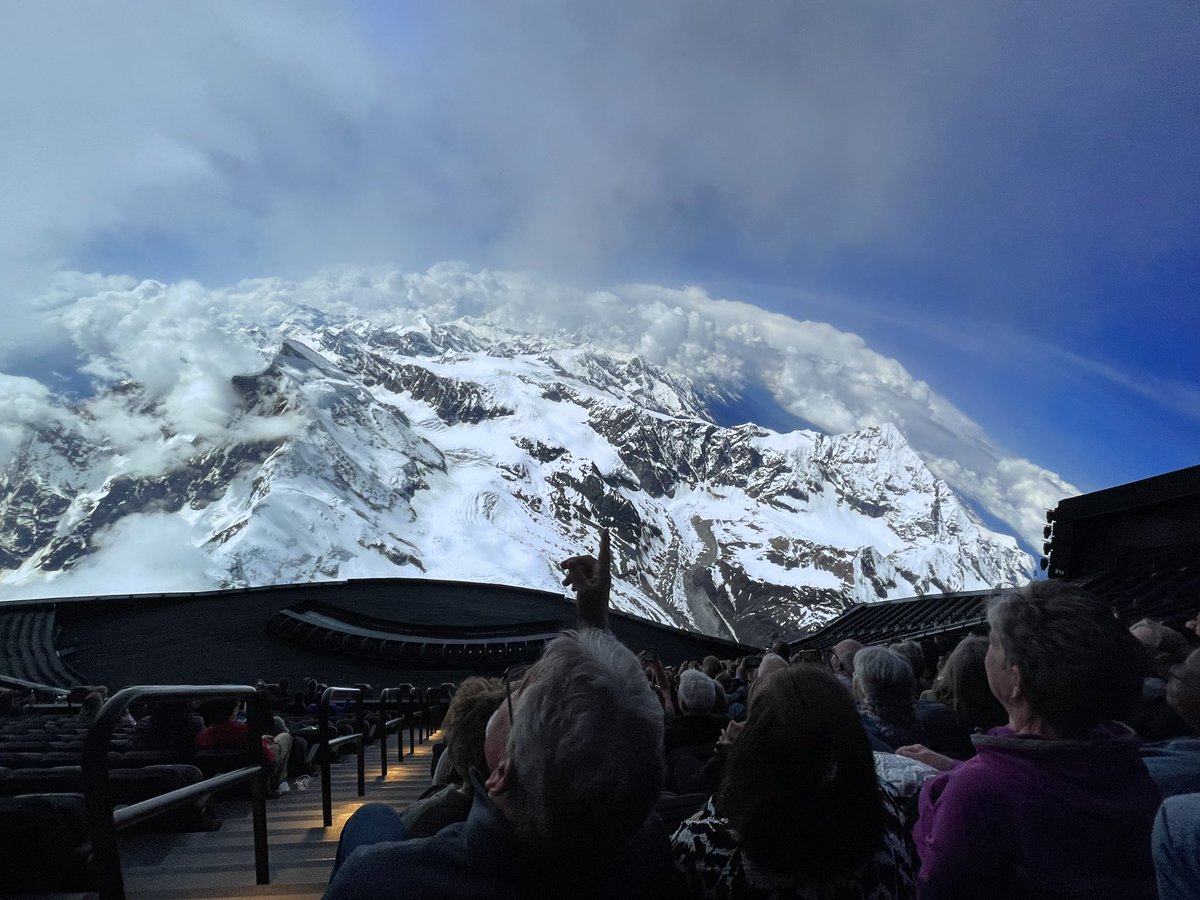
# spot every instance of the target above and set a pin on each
(1016, 692)
(500, 779)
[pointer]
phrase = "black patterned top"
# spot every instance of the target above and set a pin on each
(712, 865)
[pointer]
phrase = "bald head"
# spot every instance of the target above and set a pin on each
(842, 661)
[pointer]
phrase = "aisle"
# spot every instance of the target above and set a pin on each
(220, 864)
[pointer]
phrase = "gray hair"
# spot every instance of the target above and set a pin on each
(772, 662)
(1079, 666)
(586, 746)
(697, 692)
(885, 683)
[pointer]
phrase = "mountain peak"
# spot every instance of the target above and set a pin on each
(466, 451)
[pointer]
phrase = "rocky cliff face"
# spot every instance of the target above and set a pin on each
(460, 452)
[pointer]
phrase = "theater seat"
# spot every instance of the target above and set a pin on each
(45, 843)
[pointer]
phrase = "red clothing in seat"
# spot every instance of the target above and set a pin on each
(230, 734)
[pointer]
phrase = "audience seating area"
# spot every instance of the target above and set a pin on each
(901, 620)
(1163, 583)
(327, 628)
(74, 791)
(28, 649)
(49, 786)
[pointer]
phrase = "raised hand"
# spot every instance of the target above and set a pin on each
(591, 579)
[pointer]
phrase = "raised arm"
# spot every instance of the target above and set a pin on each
(591, 579)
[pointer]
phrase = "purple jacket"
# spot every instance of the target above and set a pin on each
(1030, 817)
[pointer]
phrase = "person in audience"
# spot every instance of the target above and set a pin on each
(1057, 803)
(230, 731)
(1175, 764)
(782, 649)
(1154, 719)
(12, 703)
(1193, 624)
(575, 759)
(696, 725)
(739, 688)
(963, 703)
(771, 662)
(1174, 841)
(841, 661)
(170, 727)
(90, 707)
(799, 812)
(963, 686)
(453, 791)
(660, 680)
(883, 684)
(915, 657)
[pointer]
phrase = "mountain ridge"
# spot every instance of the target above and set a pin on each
(467, 449)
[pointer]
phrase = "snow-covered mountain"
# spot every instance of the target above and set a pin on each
(468, 451)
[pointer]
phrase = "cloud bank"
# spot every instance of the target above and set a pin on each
(183, 342)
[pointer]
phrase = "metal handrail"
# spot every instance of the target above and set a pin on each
(387, 724)
(104, 821)
(325, 756)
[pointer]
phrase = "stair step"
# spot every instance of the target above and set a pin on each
(220, 864)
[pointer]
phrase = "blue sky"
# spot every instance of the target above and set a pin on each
(1005, 198)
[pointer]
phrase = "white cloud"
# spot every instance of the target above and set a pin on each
(145, 553)
(24, 404)
(181, 342)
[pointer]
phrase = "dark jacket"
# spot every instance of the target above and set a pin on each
(484, 858)
(691, 731)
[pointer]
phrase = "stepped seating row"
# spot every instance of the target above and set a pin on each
(899, 620)
(451, 650)
(1161, 584)
(28, 649)
(58, 823)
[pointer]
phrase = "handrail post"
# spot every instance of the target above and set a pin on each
(98, 797)
(360, 724)
(97, 786)
(383, 736)
(258, 807)
(259, 723)
(326, 752)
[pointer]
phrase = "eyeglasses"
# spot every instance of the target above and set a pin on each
(513, 675)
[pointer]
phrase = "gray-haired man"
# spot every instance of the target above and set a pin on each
(576, 765)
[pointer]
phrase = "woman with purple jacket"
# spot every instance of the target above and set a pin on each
(1057, 803)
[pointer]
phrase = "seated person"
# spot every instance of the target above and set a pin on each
(1058, 802)
(799, 812)
(695, 726)
(450, 798)
(963, 703)
(575, 754)
(170, 727)
(1154, 719)
(90, 707)
(225, 729)
(884, 686)
(841, 661)
(915, 657)
(1175, 764)
(1175, 839)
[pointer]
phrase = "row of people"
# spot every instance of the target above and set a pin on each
(563, 778)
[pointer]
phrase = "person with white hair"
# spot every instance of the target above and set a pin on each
(695, 726)
(575, 758)
(883, 684)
